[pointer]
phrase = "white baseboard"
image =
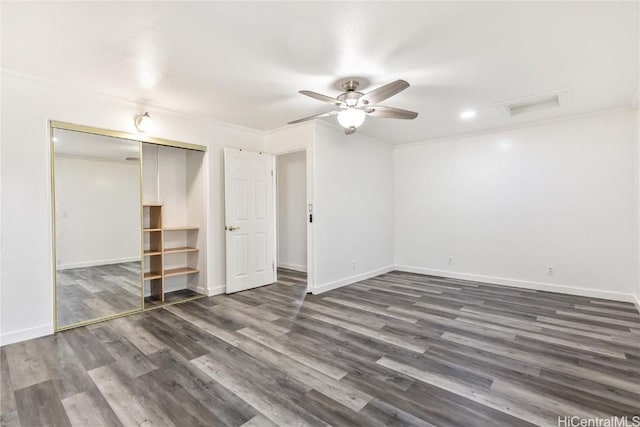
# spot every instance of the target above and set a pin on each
(349, 280)
(26, 334)
(294, 267)
(209, 291)
(538, 286)
(96, 263)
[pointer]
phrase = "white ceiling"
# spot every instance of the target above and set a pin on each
(97, 147)
(243, 63)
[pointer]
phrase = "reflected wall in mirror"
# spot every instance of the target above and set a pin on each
(97, 226)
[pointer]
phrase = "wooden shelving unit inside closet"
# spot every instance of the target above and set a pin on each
(156, 272)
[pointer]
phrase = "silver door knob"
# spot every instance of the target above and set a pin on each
(232, 228)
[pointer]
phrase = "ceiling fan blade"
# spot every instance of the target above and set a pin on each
(391, 113)
(384, 92)
(350, 131)
(321, 97)
(315, 116)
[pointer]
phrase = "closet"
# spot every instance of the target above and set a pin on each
(174, 223)
(130, 216)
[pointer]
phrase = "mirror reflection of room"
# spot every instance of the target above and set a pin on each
(97, 226)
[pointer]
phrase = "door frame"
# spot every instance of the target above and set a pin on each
(310, 214)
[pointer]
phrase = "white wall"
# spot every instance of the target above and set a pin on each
(290, 138)
(291, 189)
(97, 212)
(27, 268)
(165, 181)
(354, 214)
(507, 205)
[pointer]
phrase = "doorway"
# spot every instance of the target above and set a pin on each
(292, 213)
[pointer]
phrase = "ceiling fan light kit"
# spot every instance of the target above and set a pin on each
(351, 117)
(354, 106)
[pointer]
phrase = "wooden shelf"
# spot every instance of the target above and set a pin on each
(155, 251)
(182, 228)
(179, 271)
(152, 275)
(179, 250)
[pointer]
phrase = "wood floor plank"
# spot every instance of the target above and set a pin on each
(40, 405)
(266, 402)
(389, 415)
(7, 401)
(10, 419)
(129, 327)
(259, 421)
(205, 325)
(91, 352)
(121, 392)
(334, 413)
(173, 337)
(26, 364)
(229, 408)
(554, 364)
(341, 393)
(372, 333)
(175, 402)
(305, 359)
(483, 397)
(90, 409)
(130, 358)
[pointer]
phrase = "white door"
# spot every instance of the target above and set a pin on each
(249, 218)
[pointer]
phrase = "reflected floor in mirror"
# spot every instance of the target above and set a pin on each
(93, 292)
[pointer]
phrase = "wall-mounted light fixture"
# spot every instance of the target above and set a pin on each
(143, 121)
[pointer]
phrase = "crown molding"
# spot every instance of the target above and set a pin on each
(339, 128)
(154, 108)
(512, 127)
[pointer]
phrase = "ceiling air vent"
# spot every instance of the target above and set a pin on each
(528, 104)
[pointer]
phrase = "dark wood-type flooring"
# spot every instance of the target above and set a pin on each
(170, 298)
(399, 349)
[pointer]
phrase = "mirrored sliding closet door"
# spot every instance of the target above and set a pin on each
(98, 219)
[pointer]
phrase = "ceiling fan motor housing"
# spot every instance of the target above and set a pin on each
(351, 96)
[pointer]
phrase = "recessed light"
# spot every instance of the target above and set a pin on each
(468, 114)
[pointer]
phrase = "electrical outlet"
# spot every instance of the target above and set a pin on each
(551, 270)
(450, 260)
(353, 264)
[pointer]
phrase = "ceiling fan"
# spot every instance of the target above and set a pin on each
(354, 106)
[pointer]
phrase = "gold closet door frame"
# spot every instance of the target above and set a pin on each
(140, 139)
